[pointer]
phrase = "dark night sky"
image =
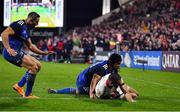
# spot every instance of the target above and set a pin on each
(81, 12)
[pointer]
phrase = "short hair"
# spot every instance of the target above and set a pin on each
(114, 77)
(114, 58)
(33, 15)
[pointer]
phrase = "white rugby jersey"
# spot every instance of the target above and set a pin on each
(102, 89)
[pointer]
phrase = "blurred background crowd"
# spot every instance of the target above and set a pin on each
(141, 25)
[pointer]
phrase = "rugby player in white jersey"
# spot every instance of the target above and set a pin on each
(108, 87)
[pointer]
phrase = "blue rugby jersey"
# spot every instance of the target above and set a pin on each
(100, 68)
(17, 40)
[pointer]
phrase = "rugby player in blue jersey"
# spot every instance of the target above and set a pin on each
(14, 38)
(87, 79)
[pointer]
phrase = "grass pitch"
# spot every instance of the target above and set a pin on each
(159, 91)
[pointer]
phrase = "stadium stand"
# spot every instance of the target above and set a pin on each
(139, 25)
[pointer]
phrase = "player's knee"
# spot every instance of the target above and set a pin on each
(39, 66)
(34, 68)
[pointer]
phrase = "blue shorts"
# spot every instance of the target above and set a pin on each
(82, 86)
(16, 60)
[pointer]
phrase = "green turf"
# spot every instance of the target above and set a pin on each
(42, 11)
(159, 91)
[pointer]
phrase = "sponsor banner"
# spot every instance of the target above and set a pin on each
(156, 60)
(171, 61)
(101, 56)
(126, 59)
(41, 32)
(153, 59)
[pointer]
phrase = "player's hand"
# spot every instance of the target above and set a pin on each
(93, 96)
(48, 52)
(134, 95)
(12, 52)
(128, 97)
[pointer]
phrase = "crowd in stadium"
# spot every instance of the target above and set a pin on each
(141, 25)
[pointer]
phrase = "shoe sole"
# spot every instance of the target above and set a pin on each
(18, 92)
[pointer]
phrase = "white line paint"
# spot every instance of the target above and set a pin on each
(155, 83)
(145, 81)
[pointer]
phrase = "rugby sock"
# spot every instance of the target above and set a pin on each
(23, 80)
(30, 83)
(67, 91)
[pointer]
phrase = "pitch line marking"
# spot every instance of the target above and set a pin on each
(155, 83)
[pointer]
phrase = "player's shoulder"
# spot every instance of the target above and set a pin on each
(103, 65)
(95, 64)
(18, 23)
(21, 22)
(100, 66)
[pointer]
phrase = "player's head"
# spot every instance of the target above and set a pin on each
(114, 60)
(32, 20)
(113, 79)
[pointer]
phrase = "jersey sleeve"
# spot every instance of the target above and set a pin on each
(20, 29)
(16, 26)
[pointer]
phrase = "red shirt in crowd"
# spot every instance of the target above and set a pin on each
(60, 45)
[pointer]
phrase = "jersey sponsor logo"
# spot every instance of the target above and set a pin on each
(17, 61)
(86, 89)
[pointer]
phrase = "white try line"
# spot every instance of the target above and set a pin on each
(155, 83)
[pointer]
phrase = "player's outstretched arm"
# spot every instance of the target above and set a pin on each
(34, 49)
(93, 84)
(5, 39)
(122, 86)
(130, 89)
(128, 97)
